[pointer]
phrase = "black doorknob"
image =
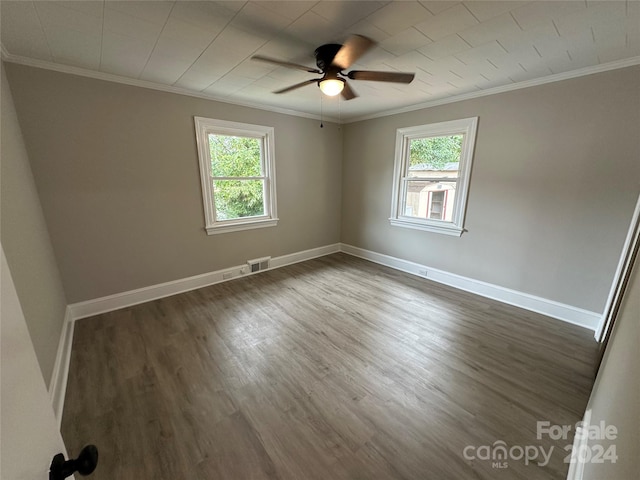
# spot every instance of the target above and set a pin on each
(85, 464)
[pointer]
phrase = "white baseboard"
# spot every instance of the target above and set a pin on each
(130, 298)
(60, 374)
(117, 301)
(297, 257)
(580, 444)
(560, 311)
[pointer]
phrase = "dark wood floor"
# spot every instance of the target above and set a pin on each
(335, 368)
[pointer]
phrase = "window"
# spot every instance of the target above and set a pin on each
(238, 175)
(431, 175)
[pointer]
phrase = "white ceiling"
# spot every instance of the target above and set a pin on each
(455, 48)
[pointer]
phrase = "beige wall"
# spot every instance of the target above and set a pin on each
(555, 177)
(117, 171)
(615, 398)
(26, 242)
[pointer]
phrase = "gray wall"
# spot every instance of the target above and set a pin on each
(555, 178)
(615, 398)
(117, 171)
(26, 243)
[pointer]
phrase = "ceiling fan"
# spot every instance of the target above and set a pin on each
(332, 59)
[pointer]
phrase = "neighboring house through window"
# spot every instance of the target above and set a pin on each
(237, 170)
(431, 175)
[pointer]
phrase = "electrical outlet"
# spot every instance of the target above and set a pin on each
(422, 272)
(243, 270)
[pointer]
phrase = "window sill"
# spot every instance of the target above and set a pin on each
(242, 225)
(445, 229)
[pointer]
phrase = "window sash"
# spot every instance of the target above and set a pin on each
(467, 128)
(213, 222)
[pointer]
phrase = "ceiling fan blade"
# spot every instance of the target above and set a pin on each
(396, 77)
(352, 50)
(298, 85)
(348, 93)
(285, 64)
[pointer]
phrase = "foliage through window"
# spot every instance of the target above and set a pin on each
(431, 175)
(237, 173)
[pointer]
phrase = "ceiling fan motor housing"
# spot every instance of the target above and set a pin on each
(325, 55)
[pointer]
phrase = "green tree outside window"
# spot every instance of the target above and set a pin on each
(235, 164)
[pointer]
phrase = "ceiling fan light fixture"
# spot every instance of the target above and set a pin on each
(331, 86)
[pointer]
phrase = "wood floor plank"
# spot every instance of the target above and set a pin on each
(335, 368)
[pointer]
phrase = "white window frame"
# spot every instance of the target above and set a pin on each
(204, 127)
(466, 127)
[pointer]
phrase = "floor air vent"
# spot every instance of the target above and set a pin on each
(259, 264)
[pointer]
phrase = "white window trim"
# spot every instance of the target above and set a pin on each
(205, 126)
(465, 126)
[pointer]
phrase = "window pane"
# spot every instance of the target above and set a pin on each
(235, 156)
(431, 200)
(435, 156)
(238, 198)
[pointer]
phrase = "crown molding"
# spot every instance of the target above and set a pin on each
(558, 77)
(108, 77)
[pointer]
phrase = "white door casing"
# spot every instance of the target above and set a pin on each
(29, 436)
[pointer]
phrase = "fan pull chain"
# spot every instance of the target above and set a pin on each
(321, 111)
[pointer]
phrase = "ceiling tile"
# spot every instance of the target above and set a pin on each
(230, 83)
(123, 55)
(118, 22)
(484, 10)
(346, 14)
(254, 18)
(231, 5)
(55, 16)
(491, 30)
(219, 58)
(197, 79)
(551, 46)
(312, 28)
(398, 16)
(206, 15)
(149, 11)
(600, 12)
(252, 69)
(288, 9)
(405, 41)
(164, 69)
(450, 21)
(436, 7)
(238, 41)
(535, 13)
(444, 47)
(268, 82)
(519, 39)
(71, 47)
(406, 62)
(526, 57)
(89, 8)
(530, 73)
(481, 54)
(22, 33)
(183, 40)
